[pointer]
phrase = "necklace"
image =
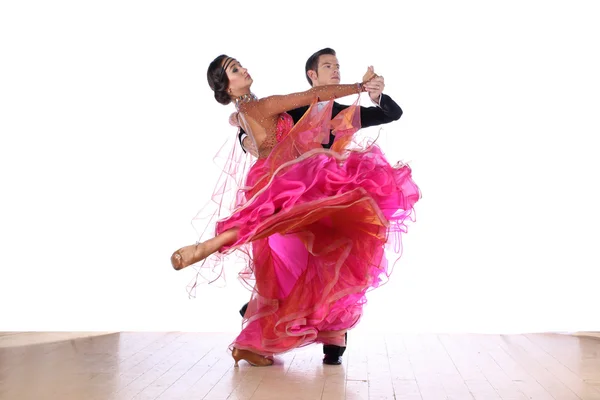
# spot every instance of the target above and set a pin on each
(245, 98)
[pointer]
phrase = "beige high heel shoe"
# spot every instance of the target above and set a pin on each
(253, 359)
(188, 255)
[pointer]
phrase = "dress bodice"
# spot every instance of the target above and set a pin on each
(285, 123)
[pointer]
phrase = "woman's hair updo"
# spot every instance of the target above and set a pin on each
(218, 80)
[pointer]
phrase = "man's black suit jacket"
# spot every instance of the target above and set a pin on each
(387, 112)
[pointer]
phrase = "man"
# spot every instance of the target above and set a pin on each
(323, 68)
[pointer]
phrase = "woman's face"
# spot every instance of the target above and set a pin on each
(239, 78)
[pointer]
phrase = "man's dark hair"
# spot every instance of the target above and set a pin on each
(313, 61)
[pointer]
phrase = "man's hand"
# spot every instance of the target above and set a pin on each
(375, 87)
(249, 146)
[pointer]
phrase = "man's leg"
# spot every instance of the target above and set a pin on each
(333, 354)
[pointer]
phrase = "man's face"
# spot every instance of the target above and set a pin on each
(328, 71)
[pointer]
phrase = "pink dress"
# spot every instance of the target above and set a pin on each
(318, 222)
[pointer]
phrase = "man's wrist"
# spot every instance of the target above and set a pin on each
(378, 101)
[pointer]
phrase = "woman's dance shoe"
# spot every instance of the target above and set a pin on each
(252, 358)
(188, 255)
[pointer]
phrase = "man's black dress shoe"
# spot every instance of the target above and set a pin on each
(332, 359)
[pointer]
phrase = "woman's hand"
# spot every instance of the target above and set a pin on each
(370, 74)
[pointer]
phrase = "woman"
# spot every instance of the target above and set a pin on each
(318, 220)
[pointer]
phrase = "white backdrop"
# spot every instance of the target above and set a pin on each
(109, 128)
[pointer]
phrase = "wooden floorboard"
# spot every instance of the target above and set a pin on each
(176, 365)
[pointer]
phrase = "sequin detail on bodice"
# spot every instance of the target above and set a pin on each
(285, 123)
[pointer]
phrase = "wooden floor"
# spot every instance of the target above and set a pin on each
(44, 366)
